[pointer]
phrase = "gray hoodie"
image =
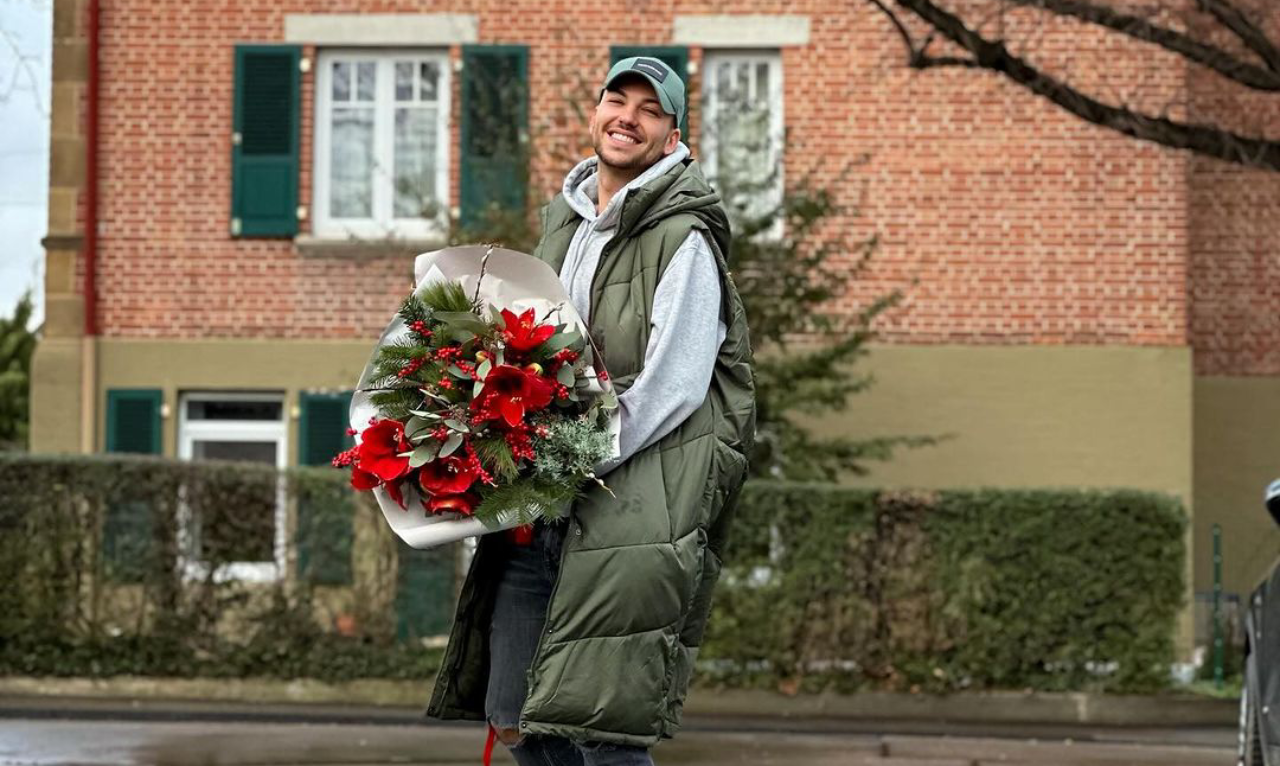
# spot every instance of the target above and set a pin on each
(686, 330)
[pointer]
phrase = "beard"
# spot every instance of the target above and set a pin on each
(633, 163)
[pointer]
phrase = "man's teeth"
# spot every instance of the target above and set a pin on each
(620, 137)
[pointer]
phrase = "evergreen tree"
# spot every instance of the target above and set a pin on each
(17, 343)
(782, 264)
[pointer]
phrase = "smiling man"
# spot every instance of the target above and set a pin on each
(578, 646)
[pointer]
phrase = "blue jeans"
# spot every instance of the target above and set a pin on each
(526, 575)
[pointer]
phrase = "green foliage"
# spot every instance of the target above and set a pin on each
(96, 544)
(17, 344)
(824, 588)
(571, 448)
(840, 589)
(790, 265)
(531, 499)
(496, 457)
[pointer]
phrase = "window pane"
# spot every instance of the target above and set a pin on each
(404, 81)
(366, 80)
(415, 158)
(351, 163)
(341, 81)
(234, 410)
(430, 72)
(762, 83)
(254, 452)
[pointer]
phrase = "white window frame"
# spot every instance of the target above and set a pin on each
(383, 224)
(777, 117)
(191, 431)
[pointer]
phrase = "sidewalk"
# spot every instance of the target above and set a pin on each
(1192, 722)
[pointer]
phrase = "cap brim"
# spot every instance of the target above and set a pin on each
(663, 98)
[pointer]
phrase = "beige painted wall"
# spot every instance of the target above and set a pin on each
(227, 365)
(1028, 416)
(1237, 453)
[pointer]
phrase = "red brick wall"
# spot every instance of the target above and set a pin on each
(1235, 240)
(1005, 220)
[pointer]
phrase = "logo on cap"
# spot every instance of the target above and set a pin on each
(651, 67)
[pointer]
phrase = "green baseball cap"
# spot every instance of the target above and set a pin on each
(667, 84)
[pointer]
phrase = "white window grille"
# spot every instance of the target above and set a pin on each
(381, 144)
(742, 130)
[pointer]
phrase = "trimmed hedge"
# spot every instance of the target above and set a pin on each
(849, 589)
(824, 587)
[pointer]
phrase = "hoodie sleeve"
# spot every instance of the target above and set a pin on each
(684, 339)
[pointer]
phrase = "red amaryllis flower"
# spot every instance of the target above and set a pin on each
(464, 503)
(380, 448)
(522, 333)
(513, 391)
(363, 479)
(447, 476)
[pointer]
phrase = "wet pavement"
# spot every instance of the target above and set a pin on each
(65, 741)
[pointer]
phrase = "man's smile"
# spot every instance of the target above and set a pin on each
(626, 139)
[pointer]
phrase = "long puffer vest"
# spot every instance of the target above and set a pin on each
(638, 568)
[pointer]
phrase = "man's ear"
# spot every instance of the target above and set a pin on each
(673, 140)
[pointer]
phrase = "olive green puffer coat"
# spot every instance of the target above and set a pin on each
(631, 602)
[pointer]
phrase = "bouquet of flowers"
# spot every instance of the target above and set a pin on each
(482, 407)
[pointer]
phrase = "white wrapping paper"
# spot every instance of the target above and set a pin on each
(511, 280)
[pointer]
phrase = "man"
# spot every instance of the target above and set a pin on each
(578, 647)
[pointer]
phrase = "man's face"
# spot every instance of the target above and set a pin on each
(629, 130)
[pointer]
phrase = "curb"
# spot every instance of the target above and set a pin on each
(405, 702)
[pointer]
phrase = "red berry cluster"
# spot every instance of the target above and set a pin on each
(420, 327)
(448, 353)
(562, 391)
(473, 462)
(445, 383)
(518, 441)
(602, 375)
(413, 366)
(565, 355)
(345, 459)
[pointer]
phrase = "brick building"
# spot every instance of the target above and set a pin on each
(1081, 309)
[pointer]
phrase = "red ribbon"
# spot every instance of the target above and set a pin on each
(488, 745)
(522, 535)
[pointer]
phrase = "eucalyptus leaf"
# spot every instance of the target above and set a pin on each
(451, 445)
(463, 320)
(458, 425)
(476, 389)
(424, 454)
(561, 340)
(565, 376)
(482, 371)
(457, 372)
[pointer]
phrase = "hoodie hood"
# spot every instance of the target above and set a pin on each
(581, 187)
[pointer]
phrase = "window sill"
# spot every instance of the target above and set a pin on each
(328, 247)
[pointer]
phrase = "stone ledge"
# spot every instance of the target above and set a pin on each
(322, 247)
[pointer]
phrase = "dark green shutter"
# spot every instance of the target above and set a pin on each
(324, 533)
(424, 591)
(264, 151)
(495, 130)
(133, 425)
(133, 420)
(674, 56)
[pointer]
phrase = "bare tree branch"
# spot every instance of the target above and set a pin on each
(1249, 33)
(1221, 61)
(994, 55)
